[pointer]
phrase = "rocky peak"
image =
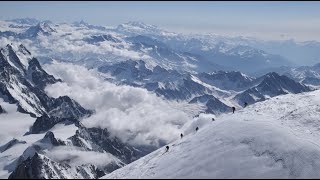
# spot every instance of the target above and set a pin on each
(24, 50)
(50, 138)
(41, 167)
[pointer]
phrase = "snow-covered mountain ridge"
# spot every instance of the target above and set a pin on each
(277, 138)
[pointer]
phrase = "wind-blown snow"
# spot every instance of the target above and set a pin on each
(278, 138)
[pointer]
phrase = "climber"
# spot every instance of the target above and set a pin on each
(245, 104)
(181, 135)
(197, 128)
(233, 109)
(167, 148)
(1, 110)
(213, 119)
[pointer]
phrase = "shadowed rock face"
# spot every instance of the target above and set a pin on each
(50, 138)
(10, 144)
(42, 28)
(22, 81)
(38, 76)
(45, 123)
(100, 140)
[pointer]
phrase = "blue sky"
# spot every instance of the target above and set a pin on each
(269, 20)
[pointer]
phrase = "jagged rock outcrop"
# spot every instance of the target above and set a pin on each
(10, 144)
(41, 167)
(22, 81)
(97, 139)
(45, 123)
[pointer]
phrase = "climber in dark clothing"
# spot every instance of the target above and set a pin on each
(233, 109)
(197, 128)
(181, 135)
(167, 148)
(1, 110)
(245, 104)
(212, 119)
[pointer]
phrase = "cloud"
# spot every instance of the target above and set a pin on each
(4, 41)
(76, 157)
(69, 41)
(132, 114)
(13, 124)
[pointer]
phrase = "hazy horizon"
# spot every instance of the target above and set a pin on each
(263, 20)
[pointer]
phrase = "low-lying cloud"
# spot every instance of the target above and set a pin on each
(76, 157)
(132, 114)
(71, 42)
(13, 124)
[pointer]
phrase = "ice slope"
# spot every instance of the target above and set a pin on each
(277, 138)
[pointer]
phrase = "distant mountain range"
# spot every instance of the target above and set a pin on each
(167, 49)
(217, 91)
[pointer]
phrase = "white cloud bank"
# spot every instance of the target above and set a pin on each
(133, 114)
(13, 124)
(76, 157)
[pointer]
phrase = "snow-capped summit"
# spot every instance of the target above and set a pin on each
(12, 58)
(22, 60)
(42, 28)
(24, 50)
(24, 85)
(49, 138)
(80, 23)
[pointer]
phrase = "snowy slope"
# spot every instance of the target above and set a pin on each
(277, 138)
